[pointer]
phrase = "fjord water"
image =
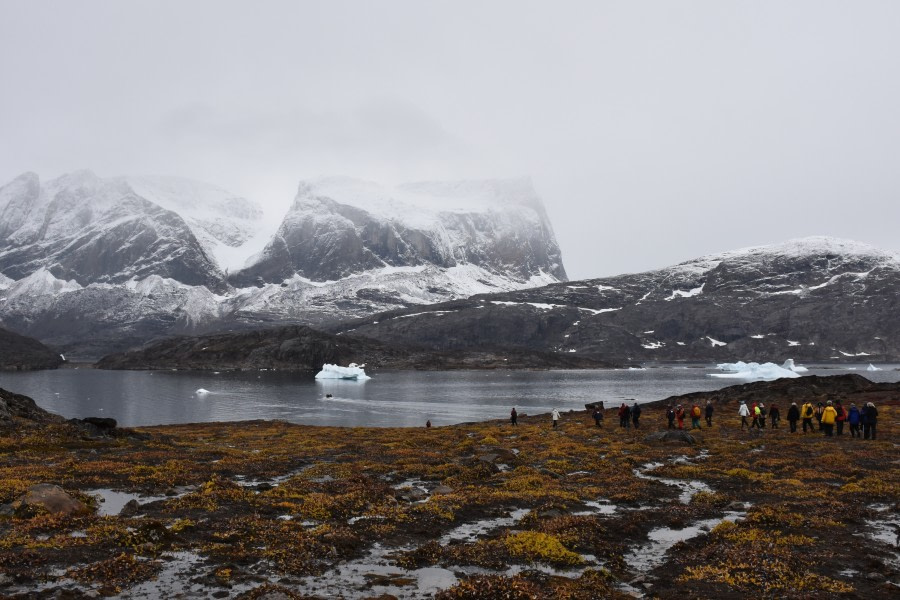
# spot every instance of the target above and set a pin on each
(389, 398)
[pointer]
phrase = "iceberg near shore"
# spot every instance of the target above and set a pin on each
(758, 372)
(352, 372)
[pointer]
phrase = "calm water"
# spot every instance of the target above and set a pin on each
(390, 398)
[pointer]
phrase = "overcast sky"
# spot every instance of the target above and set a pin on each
(654, 131)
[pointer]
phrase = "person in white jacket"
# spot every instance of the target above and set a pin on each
(555, 416)
(744, 412)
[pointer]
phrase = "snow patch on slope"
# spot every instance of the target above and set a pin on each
(230, 228)
(40, 283)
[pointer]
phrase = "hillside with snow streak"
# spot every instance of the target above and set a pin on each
(816, 298)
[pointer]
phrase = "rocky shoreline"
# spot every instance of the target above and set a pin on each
(268, 509)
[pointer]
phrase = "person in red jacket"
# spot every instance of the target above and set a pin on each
(841, 417)
(679, 416)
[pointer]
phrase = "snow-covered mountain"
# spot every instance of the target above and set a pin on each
(95, 230)
(90, 264)
(814, 298)
(339, 227)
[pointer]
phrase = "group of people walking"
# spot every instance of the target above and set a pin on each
(834, 415)
(679, 413)
(758, 414)
(829, 416)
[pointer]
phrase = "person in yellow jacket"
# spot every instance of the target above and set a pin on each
(829, 417)
(806, 413)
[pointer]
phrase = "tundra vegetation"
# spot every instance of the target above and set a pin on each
(265, 507)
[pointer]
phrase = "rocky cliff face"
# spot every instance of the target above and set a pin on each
(83, 228)
(338, 227)
(810, 299)
(21, 353)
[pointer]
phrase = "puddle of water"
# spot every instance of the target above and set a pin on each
(688, 487)
(887, 531)
(374, 575)
(648, 556)
(112, 502)
(469, 532)
(601, 506)
(242, 481)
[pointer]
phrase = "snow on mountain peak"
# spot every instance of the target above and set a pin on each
(340, 226)
(41, 283)
(813, 246)
(420, 203)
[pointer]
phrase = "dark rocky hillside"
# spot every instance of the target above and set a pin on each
(814, 388)
(21, 353)
(298, 348)
(815, 299)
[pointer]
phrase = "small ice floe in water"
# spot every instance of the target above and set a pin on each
(201, 392)
(872, 367)
(753, 371)
(352, 372)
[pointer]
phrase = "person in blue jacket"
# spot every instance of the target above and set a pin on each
(853, 419)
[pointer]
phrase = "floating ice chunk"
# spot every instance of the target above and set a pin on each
(352, 372)
(202, 392)
(790, 366)
(715, 342)
(872, 367)
(753, 371)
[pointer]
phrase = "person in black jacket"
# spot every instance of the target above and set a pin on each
(636, 414)
(670, 415)
(709, 413)
(869, 420)
(774, 416)
(793, 416)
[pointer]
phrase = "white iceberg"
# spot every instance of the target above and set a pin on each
(872, 367)
(790, 366)
(202, 392)
(352, 372)
(753, 371)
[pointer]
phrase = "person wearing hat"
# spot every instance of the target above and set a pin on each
(829, 418)
(869, 419)
(853, 419)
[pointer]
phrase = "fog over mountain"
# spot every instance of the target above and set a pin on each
(655, 132)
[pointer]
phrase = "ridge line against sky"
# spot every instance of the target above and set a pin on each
(655, 132)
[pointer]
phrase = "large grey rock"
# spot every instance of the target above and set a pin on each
(671, 436)
(49, 497)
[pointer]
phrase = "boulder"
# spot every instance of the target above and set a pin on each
(672, 436)
(49, 497)
(131, 508)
